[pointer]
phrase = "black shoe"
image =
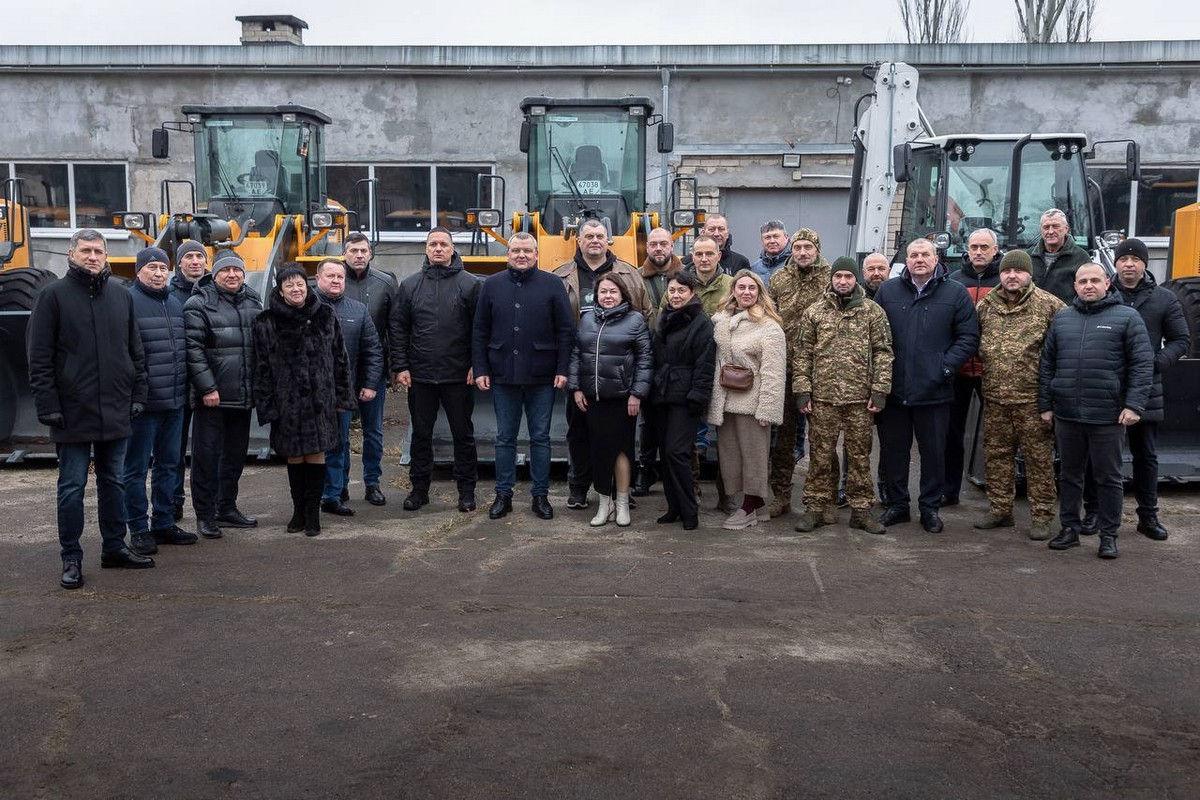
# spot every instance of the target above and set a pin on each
(842, 500)
(72, 574)
(691, 524)
(173, 535)
(208, 529)
(950, 500)
(236, 519)
(375, 497)
(578, 498)
(179, 511)
(500, 506)
(668, 518)
(337, 507)
(1108, 547)
(143, 544)
(645, 479)
(125, 559)
(541, 506)
(931, 522)
(894, 516)
(345, 498)
(1152, 528)
(1089, 526)
(1065, 540)
(466, 501)
(415, 500)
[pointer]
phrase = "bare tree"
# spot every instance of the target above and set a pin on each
(1055, 20)
(933, 21)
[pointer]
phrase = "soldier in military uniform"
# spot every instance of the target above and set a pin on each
(1013, 319)
(794, 287)
(842, 375)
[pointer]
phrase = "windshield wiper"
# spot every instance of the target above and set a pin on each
(576, 195)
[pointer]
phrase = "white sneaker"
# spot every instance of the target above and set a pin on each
(741, 520)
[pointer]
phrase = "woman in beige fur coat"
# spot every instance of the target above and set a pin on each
(749, 334)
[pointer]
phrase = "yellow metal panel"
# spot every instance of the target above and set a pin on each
(1185, 243)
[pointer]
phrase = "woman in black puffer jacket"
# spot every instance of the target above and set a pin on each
(685, 355)
(611, 369)
(301, 381)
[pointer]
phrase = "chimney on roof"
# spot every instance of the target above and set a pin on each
(272, 29)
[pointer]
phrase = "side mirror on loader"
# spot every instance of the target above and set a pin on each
(902, 162)
(159, 147)
(1133, 162)
(666, 137)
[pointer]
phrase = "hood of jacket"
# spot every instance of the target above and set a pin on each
(857, 296)
(439, 271)
(776, 260)
(281, 307)
(610, 258)
(1111, 298)
(672, 318)
(609, 314)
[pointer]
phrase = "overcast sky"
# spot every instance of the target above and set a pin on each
(416, 22)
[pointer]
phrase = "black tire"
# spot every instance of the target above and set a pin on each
(1188, 292)
(19, 287)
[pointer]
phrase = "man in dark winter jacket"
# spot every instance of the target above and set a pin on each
(1169, 339)
(431, 355)
(980, 274)
(1094, 381)
(934, 331)
(521, 351)
(375, 289)
(87, 374)
(365, 353)
(191, 264)
(875, 268)
(1056, 257)
(156, 431)
(775, 250)
(716, 227)
(220, 355)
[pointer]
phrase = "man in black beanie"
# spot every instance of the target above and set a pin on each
(191, 265)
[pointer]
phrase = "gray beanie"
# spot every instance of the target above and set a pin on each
(189, 246)
(228, 260)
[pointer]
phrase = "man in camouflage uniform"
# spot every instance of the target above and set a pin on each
(1013, 319)
(843, 373)
(794, 287)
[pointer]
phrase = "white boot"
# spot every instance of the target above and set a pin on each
(623, 509)
(604, 511)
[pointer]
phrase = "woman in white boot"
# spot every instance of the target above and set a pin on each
(747, 397)
(612, 366)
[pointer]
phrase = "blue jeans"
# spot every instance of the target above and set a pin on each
(538, 404)
(155, 434)
(337, 462)
(371, 415)
(73, 461)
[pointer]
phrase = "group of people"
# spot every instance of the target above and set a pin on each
(1060, 355)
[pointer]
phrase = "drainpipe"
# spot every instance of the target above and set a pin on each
(664, 158)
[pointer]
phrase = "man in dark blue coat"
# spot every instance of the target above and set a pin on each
(521, 352)
(1093, 382)
(87, 373)
(157, 431)
(365, 351)
(934, 331)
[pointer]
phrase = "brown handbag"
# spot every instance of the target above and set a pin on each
(736, 377)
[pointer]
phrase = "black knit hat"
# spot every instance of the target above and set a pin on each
(846, 264)
(151, 255)
(1131, 247)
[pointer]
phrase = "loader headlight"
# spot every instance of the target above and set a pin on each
(683, 218)
(130, 221)
(483, 217)
(321, 219)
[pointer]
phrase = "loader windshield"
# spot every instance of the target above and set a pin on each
(253, 159)
(589, 161)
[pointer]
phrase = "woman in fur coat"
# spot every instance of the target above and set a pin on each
(301, 380)
(749, 334)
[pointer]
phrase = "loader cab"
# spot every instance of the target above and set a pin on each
(956, 185)
(258, 162)
(587, 159)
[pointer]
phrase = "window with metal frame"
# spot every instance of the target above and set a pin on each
(409, 199)
(64, 196)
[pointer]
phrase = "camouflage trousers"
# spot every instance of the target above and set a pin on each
(1007, 427)
(783, 457)
(825, 424)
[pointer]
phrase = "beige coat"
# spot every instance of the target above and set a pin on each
(762, 347)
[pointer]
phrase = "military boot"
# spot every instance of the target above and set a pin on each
(1039, 530)
(861, 519)
(781, 505)
(993, 520)
(811, 519)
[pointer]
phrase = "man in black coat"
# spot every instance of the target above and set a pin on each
(375, 289)
(365, 351)
(220, 353)
(1094, 381)
(1169, 339)
(156, 432)
(934, 331)
(87, 373)
(431, 355)
(191, 264)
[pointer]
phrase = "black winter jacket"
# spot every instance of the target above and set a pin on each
(612, 357)
(431, 323)
(181, 288)
(732, 262)
(85, 357)
(1168, 331)
(685, 354)
(1096, 360)
(220, 350)
(160, 323)
(524, 328)
(932, 336)
(301, 375)
(375, 289)
(362, 341)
